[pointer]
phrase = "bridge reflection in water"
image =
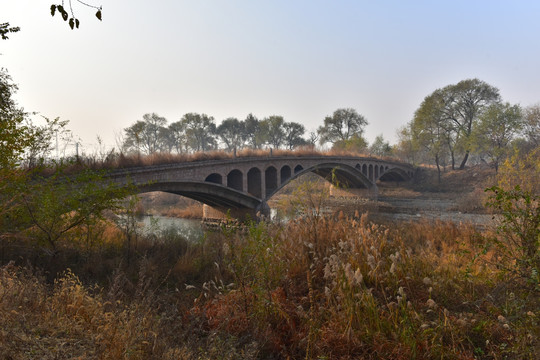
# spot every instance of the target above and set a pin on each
(240, 187)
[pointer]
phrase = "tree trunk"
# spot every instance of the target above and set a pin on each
(438, 169)
(465, 158)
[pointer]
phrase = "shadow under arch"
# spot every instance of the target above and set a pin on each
(212, 194)
(395, 174)
(342, 175)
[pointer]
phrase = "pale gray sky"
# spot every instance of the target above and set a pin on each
(298, 58)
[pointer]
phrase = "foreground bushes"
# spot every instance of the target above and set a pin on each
(316, 288)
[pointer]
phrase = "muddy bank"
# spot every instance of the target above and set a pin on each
(429, 207)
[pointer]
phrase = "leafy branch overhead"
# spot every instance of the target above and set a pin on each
(6, 29)
(73, 21)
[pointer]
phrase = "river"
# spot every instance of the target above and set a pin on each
(190, 229)
(403, 209)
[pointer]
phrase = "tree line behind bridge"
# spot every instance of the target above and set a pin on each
(196, 132)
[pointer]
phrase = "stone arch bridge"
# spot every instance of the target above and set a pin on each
(242, 186)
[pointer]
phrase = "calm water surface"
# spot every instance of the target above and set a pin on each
(191, 229)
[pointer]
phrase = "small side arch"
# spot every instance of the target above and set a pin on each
(214, 178)
(285, 173)
(271, 179)
(254, 182)
(235, 180)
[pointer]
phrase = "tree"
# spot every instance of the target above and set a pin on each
(521, 169)
(293, 134)
(32, 202)
(274, 133)
(178, 137)
(166, 139)
(200, 131)
(252, 132)
(231, 132)
(145, 135)
(427, 128)
(154, 127)
(39, 150)
(463, 103)
(15, 137)
(531, 125)
(343, 125)
(380, 147)
(133, 137)
(356, 143)
(313, 139)
(54, 205)
(496, 129)
(406, 149)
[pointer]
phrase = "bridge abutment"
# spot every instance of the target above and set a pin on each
(219, 214)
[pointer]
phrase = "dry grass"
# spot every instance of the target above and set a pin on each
(121, 160)
(344, 288)
(194, 211)
(315, 288)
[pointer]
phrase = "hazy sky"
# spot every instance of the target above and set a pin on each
(296, 58)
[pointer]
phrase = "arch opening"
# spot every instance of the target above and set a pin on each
(234, 180)
(342, 176)
(254, 182)
(298, 168)
(214, 178)
(271, 180)
(285, 173)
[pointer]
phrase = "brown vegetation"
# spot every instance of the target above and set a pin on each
(115, 161)
(193, 211)
(337, 288)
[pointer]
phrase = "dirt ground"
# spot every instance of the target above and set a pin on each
(459, 198)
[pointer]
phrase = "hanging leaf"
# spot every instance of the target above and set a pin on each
(98, 14)
(71, 23)
(53, 10)
(65, 15)
(77, 22)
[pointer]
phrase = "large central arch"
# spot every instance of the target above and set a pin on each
(206, 192)
(341, 175)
